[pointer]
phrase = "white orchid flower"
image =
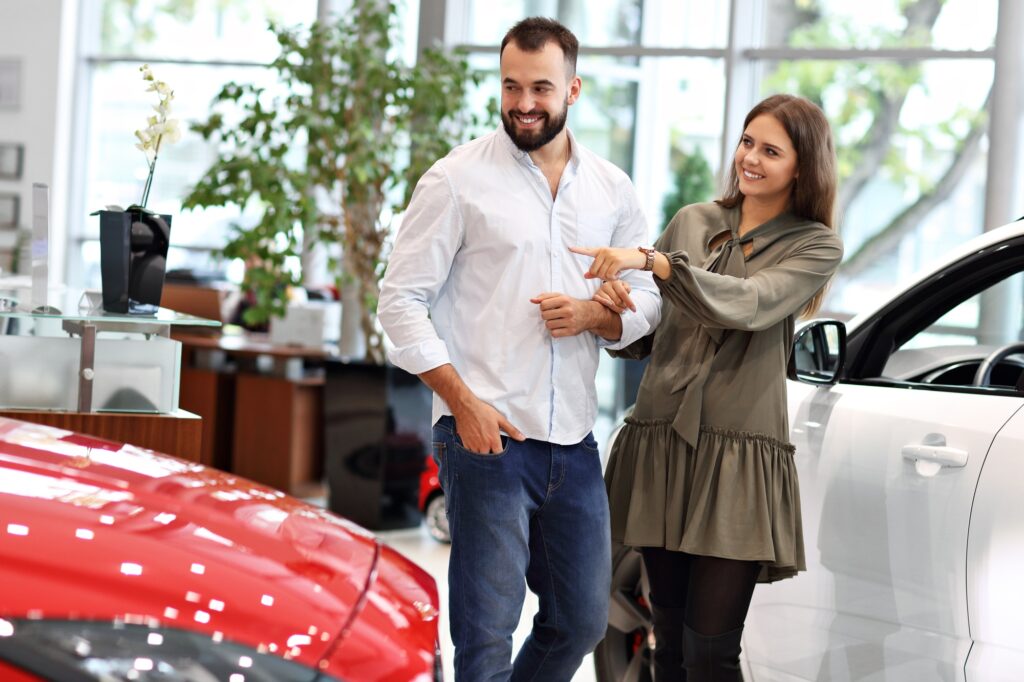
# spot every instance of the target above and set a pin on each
(159, 128)
(172, 130)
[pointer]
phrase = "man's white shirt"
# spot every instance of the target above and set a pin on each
(482, 236)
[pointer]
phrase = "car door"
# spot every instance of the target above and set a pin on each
(884, 597)
(995, 562)
(889, 460)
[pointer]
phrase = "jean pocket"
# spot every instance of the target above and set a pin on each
(505, 440)
(590, 443)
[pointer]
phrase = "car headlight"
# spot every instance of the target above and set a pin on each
(111, 651)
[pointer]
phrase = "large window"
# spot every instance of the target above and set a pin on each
(195, 47)
(907, 197)
(882, 24)
(905, 86)
(666, 82)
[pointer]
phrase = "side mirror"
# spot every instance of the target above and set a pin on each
(819, 350)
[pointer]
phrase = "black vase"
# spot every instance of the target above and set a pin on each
(133, 259)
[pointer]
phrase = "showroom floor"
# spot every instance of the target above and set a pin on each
(432, 555)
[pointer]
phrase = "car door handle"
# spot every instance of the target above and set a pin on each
(939, 454)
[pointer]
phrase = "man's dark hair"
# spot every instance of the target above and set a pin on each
(533, 33)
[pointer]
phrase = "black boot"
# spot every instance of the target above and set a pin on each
(714, 658)
(668, 649)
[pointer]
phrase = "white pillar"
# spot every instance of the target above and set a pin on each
(742, 75)
(1003, 199)
(1000, 316)
(431, 24)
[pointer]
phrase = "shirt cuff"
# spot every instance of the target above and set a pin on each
(634, 326)
(421, 357)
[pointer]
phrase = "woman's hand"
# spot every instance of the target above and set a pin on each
(609, 261)
(614, 295)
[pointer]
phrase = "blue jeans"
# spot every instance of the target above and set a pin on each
(535, 514)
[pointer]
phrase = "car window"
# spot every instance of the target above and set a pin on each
(949, 350)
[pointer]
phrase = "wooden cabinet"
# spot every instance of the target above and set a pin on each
(278, 431)
(264, 415)
(211, 395)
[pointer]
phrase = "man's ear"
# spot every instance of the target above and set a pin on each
(575, 85)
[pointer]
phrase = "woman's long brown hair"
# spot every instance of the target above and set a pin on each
(814, 190)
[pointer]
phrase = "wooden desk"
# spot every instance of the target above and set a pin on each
(261, 425)
(249, 343)
(179, 433)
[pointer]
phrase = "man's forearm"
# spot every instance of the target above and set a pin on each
(479, 425)
(606, 323)
(447, 383)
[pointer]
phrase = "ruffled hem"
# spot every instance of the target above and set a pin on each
(735, 496)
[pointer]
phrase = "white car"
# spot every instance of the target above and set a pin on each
(909, 439)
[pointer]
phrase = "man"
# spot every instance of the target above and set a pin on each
(483, 300)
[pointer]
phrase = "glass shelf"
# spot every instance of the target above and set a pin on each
(62, 357)
(79, 306)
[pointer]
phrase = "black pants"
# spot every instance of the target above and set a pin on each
(699, 604)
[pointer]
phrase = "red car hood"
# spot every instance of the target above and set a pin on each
(94, 530)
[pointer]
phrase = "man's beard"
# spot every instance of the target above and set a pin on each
(535, 139)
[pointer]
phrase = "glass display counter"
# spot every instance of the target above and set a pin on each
(76, 357)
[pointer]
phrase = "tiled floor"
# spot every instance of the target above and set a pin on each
(432, 555)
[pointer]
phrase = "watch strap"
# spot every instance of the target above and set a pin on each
(649, 265)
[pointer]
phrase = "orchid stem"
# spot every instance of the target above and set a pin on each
(149, 183)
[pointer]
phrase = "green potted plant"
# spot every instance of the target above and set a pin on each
(368, 126)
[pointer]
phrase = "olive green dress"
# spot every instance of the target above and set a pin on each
(704, 464)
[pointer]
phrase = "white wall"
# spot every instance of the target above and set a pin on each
(30, 31)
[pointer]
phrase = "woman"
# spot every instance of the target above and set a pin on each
(701, 478)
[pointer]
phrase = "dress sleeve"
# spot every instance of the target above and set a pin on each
(638, 350)
(756, 302)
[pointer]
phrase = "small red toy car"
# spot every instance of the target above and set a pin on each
(432, 502)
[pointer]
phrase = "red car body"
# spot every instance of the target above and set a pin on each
(98, 531)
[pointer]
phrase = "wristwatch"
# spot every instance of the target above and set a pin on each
(649, 265)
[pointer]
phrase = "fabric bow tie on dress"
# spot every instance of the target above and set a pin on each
(726, 259)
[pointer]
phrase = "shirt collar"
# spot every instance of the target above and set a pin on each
(519, 155)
